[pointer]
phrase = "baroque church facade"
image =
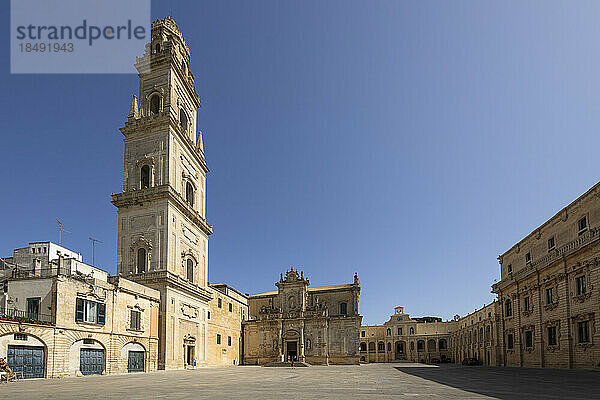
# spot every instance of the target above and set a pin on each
(316, 325)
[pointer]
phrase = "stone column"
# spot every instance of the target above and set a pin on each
(301, 358)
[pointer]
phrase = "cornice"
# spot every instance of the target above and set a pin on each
(135, 197)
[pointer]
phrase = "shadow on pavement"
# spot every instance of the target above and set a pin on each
(514, 383)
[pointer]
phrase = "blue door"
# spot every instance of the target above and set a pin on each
(28, 360)
(135, 361)
(91, 361)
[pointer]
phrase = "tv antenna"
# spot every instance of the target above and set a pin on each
(94, 241)
(60, 231)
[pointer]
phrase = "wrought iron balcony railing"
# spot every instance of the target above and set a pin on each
(13, 314)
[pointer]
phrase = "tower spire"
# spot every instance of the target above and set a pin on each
(134, 110)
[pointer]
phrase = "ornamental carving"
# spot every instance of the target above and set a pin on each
(551, 306)
(580, 298)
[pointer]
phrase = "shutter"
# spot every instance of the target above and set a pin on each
(101, 313)
(79, 310)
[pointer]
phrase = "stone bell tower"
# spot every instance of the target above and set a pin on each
(162, 231)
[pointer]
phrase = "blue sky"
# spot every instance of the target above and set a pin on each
(411, 142)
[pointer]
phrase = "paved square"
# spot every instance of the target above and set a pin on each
(373, 381)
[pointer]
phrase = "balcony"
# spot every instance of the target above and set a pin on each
(12, 314)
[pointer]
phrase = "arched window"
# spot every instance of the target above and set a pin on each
(442, 344)
(183, 119)
(431, 345)
(412, 331)
(420, 345)
(508, 308)
(145, 176)
(363, 346)
(190, 270)
(189, 194)
(141, 260)
(389, 331)
(380, 347)
(157, 48)
(155, 104)
(371, 346)
(343, 308)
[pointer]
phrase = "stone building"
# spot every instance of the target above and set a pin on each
(227, 309)
(549, 291)
(478, 335)
(162, 230)
(404, 338)
(316, 325)
(60, 321)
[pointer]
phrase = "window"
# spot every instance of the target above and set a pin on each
(190, 270)
(208, 315)
(219, 302)
(552, 335)
(230, 307)
(580, 287)
(381, 347)
(528, 339)
(20, 336)
(510, 343)
(228, 340)
(141, 260)
(399, 331)
(527, 303)
(583, 330)
(508, 308)
(372, 346)
(549, 295)
(88, 341)
(551, 243)
(582, 225)
(135, 320)
(388, 332)
(343, 308)
(363, 346)
(362, 334)
(33, 307)
(145, 177)
(528, 257)
(509, 268)
(412, 331)
(420, 345)
(90, 311)
(183, 120)
(218, 338)
(189, 194)
(157, 48)
(155, 104)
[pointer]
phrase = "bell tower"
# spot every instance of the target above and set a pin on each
(162, 239)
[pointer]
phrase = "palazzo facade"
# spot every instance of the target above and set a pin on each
(549, 292)
(403, 338)
(316, 325)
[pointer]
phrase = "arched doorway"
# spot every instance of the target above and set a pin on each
(189, 349)
(400, 350)
(25, 354)
(133, 354)
(87, 356)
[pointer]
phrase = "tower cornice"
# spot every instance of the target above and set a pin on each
(138, 197)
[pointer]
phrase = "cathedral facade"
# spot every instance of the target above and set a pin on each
(316, 325)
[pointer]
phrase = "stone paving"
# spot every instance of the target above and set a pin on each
(373, 381)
